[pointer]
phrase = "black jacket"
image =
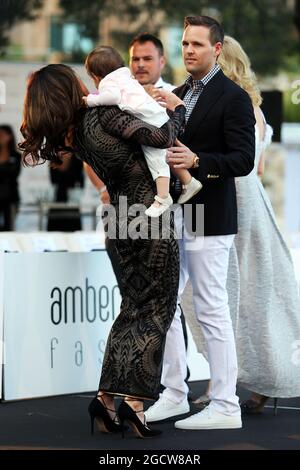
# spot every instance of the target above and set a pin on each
(221, 132)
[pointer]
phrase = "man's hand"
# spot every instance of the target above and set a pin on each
(180, 156)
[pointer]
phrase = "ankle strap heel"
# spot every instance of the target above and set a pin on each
(99, 411)
(141, 430)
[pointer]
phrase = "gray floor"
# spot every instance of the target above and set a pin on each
(63, 423)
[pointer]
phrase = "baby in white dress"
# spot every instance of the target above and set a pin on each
(116, 86)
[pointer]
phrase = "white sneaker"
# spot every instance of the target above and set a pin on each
(165, 408)
(165, 203)
(189, 190)
(210, 419)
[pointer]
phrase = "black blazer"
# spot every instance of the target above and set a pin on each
(221, 132)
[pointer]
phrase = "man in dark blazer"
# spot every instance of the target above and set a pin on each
(217, 145)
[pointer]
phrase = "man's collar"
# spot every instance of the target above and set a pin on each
(165, 85)
(159, 83)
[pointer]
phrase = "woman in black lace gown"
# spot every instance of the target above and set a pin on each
(110, 140)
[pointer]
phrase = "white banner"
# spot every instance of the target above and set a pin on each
(58, 310)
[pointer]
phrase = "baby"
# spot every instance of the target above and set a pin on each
(116, 86)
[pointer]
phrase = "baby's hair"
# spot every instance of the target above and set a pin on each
(103, 60)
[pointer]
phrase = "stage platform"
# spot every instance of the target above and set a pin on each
(63, 423)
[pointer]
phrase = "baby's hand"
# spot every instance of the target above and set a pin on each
(166, 99)
(84, 100)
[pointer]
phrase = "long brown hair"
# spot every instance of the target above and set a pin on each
(52, 103)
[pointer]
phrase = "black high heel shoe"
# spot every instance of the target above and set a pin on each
(126, 413)
(254, 407)
(98, 410)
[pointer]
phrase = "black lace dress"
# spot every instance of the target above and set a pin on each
(110, 140)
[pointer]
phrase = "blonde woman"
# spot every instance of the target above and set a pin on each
(262, 289)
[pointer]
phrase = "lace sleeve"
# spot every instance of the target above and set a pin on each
(120, 124)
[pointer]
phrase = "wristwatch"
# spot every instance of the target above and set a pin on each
(196, 162)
